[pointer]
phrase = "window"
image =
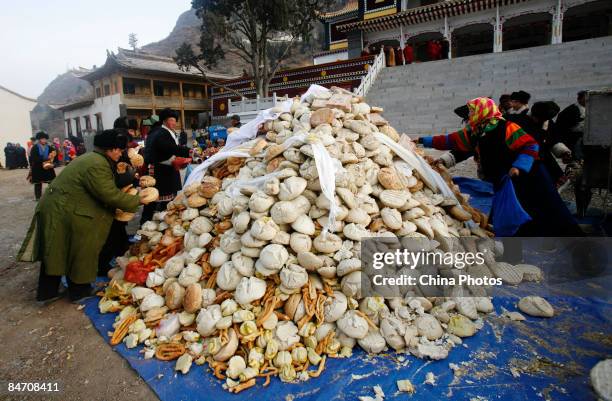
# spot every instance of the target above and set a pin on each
(158, 89)
(129, 88)
(68, 127)
(77, 123)
(106, 90)
(98, 92)
(87, 123)
(99, 125)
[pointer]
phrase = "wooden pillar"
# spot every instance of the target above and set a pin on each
(152, 97)
(498, 41)
(120, 83)
(448, 35)
(182, 105)
(557, 24)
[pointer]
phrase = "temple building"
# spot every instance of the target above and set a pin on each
(137, 84)
(426, 30)
(293, 82)
(462, 27)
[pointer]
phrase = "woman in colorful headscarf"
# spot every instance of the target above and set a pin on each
(503, 148)
(69, 151)
(59, 153)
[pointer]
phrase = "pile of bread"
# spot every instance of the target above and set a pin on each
(257, 268)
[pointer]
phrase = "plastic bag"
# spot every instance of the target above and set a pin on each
(508, 214)
(136, 272)
(327, 168)
(168, 326)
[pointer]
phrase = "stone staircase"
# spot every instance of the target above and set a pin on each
(419, 99)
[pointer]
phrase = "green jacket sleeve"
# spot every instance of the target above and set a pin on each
(100, 183)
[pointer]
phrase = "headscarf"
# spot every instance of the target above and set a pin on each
(483, 111)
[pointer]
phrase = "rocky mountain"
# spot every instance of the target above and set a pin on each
(66, 88)
(187, 29)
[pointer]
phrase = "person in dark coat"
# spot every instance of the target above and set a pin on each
(167, 158)
(73, 218)
(570, 126)
(504, 148)
(117, 241)
(519, 102)
(42, 169)
(183, 138)
(399, 56)
(539, 124)
(504, 103)
(21, 157)
(235, 121)
(9, 156)
(147, 151)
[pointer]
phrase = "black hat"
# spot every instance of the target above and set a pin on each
(235, 117)
(545, 111)
(504, 98)
(121, 122)
(110, 139)
(168, 113)
(41, 135)
(463, 111)
(520, 96)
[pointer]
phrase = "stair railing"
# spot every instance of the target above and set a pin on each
(370, 77)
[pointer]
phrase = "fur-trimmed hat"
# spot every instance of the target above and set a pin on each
(545, 111)
(41, 135)
(111, 139)
(520, 96)
(121, 122)
(168, 113)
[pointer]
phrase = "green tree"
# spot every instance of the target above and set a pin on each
(263, 33)
(133, 41)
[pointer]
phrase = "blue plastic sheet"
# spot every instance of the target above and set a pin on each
(552, 356)
(537, 359)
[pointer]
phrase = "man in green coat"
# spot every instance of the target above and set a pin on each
(73, 219)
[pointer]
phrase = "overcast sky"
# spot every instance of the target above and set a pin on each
(41, 39)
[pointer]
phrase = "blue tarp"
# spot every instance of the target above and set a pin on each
(552, 356)
(533, 360)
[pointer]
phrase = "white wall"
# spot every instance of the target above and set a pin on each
(15, 124)
(419, 98)
(330, 58)
(108, 106)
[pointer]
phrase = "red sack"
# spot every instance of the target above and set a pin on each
(136, 272)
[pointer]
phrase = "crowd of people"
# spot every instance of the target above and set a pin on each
(397, 55)
(92, 187)
(15, 156)
(524, 143)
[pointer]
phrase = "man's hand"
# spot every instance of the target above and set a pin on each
(514, 172)
(180, 162)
